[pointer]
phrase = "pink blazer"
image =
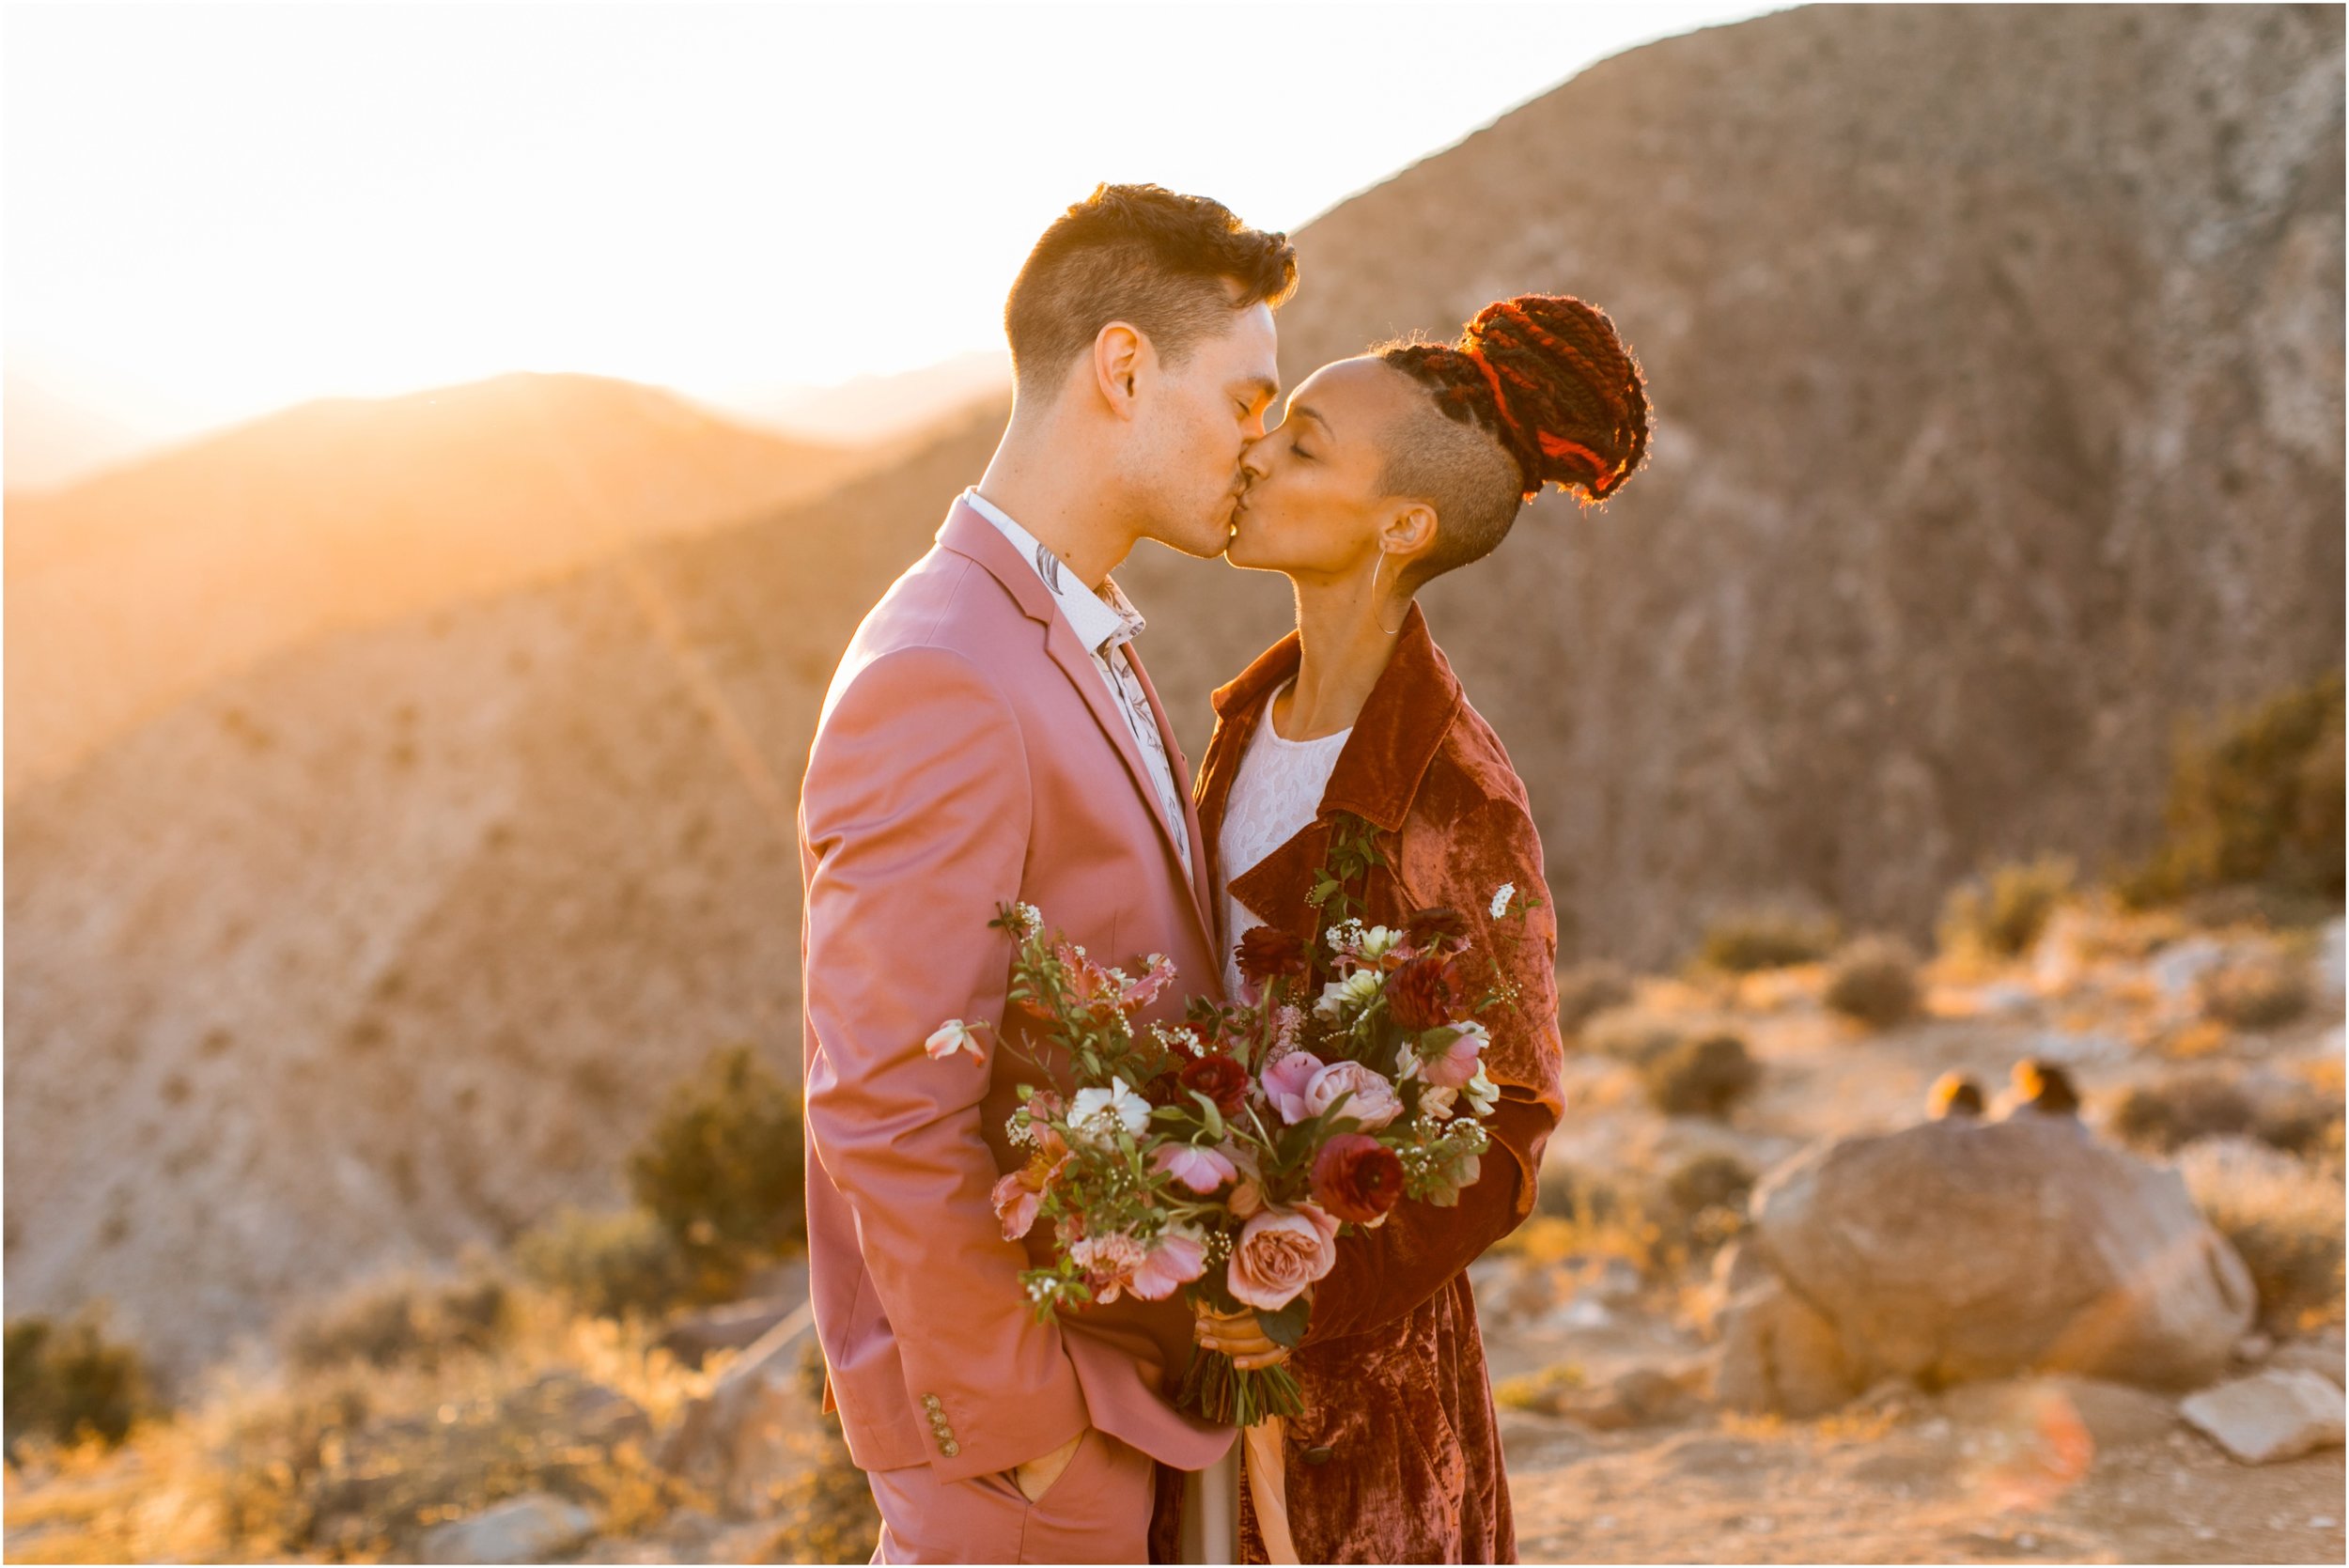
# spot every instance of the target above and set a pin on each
(969, 753)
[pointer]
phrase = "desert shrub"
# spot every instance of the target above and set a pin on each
(2283, 1218)
(1701, 1077)
(1589, 990)
(723, 1169)
(1746, 940)
(2265, 993)
(65, 1379)
(1629, 1035)
(1874, 980)
(2002, 915)
(2172, 1112)
(402, 1319)
(1582, 1218)
(1539, 1390)
(1709, 1182)
(607, 1265)
(2255, 797)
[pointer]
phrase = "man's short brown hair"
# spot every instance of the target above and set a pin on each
(1175, 267)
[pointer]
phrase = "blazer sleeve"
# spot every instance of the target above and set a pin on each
(915, 818)
(1386, 1273)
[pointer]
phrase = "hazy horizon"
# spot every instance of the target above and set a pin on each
(615, 190)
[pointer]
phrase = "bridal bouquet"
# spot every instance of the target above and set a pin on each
(1223, 1156)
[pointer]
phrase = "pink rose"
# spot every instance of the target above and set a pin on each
(1174, 1260)
(1201, 1170)
(1110, 1261)
(1370, 1099)
(1456, 1063)
(1279, 1252)
(1284, 1082)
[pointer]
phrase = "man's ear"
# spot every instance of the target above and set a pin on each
(1118, 351)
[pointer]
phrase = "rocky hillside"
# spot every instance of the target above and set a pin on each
(135, 590)
(2000, 421)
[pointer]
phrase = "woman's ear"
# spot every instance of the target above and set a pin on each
(1410, 532)
(1117, 353)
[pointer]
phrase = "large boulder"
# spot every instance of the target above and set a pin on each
(1955, 1251)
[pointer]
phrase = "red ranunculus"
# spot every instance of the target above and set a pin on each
(1424, 928)
(1356, 1177)
(1423, 994)
(1221, 1079)
(1164, 1088)
(1266, 952)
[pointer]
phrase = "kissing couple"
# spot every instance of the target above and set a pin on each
(990, 738)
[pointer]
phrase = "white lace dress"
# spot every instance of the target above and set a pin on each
(1276, 792)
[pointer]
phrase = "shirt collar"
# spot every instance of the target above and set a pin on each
(1101, 621)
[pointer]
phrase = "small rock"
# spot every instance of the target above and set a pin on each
(2004, 996)
(2077, 1047)
(2269, 1416)
(2329, 959)
(2177, 967)
(2320, 1354)
(693, 1337)
(533, 1527)
(2254, 1348)
(2321, 1521)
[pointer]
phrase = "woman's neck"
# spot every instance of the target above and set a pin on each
(1341, 651)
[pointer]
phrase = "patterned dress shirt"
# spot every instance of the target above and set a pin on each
(1104, 622)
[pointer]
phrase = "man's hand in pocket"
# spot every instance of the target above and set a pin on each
(1036, 1476)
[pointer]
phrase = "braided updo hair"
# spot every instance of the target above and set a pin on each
(1539, 390)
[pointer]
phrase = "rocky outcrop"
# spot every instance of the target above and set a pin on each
(1952, 1251)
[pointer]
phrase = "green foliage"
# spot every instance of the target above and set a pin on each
(2001, 917)
(723, 1169)
(1353, 851)
(403, 1319)
(65, 1380)
(1589, 990)
(1751, 940)
(1702, 1076)
(613, 1265)
(1874, 980)
(2257, 799)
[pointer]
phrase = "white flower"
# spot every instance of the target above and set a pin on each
(1118, 1103)
(1501, 899)
(1437, 1100)
(1352, 994)
(1483, 1093)
(1378, 941)
(950, 1036)
(1344, 935)
(1030, 918)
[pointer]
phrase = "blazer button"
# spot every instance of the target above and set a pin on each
(1317, 1455)
(949, 1448)
(930, 1399)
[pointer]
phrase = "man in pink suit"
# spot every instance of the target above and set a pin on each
(990, 737)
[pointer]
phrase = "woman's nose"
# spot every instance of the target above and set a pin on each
(1253, 460)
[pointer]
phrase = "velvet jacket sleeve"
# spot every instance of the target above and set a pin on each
(1385, 1273)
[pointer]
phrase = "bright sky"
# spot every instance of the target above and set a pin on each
(226, 209)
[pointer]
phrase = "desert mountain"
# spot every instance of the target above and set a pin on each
(132, 590)
(1996, 360)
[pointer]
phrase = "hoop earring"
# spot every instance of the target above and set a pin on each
(1374, 597)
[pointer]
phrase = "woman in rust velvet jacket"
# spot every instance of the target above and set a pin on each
(1387, 470)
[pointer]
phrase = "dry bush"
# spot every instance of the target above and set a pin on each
(1627, 1035)
(612, 1264)
(1874, 980)
(2255, 798)
(1581, 1219)
(1701, 1077)
(1709, 1182)
(402, 1319)
(2001, 916)
(2256, 994)
(1746, 940)
(1538, 1391)
(2166, 1115)
(2286, 1220)
(1588, 989)
(66, 1380)
(826, 1509)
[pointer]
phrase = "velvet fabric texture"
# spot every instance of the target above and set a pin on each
(1398, 1458)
